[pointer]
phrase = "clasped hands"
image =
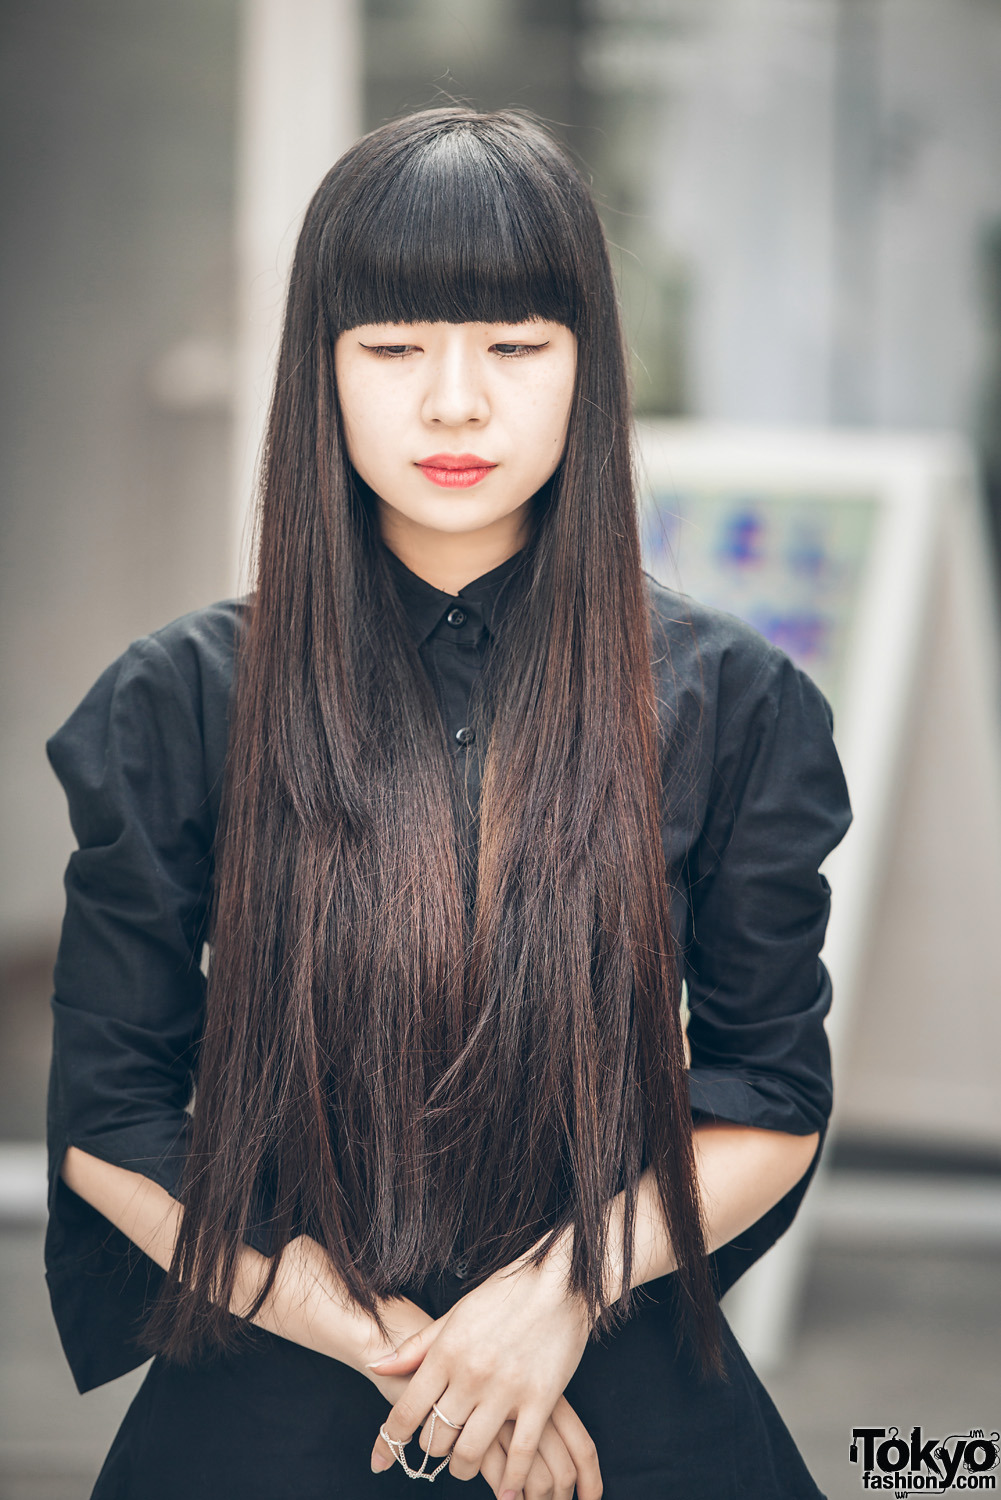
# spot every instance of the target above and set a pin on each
(496, 1363)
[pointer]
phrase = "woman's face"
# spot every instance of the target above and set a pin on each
(455, 426)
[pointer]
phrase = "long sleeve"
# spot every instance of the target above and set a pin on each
(140, 761)
(765, 802)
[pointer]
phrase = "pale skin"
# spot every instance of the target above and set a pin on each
(499, 1360)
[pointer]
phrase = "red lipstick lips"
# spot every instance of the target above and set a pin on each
(455, 470)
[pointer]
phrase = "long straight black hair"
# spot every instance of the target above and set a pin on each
(409, 1054)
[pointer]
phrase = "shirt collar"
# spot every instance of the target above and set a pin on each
(425, 605)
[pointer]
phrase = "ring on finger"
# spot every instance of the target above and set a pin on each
(397, 1446)
(439, 1433)
(438, 1412)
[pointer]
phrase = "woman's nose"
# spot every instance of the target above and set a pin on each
(455, 392)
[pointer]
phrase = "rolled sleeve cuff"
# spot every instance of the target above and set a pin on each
(743, 1098)
(719, 1095)
(100, 1284)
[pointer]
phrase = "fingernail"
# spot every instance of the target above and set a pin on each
(380, 1462)
(383, 1361)
(508, 1495)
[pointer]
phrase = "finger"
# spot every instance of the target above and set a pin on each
(382, 1456)
(442, 1439)
(580, 1446)
(492, 1467)
(560, 1469)
(405, 1417)
(471, 1444)
(540, 1484)
(528, 1429)
(408, 1355)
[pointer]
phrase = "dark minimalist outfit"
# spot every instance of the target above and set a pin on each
(754, 799)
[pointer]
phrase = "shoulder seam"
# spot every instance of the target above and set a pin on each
(146, 647)
(772, 656)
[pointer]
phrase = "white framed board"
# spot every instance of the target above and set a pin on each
(863, 555)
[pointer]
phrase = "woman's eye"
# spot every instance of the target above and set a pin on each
(390, 351)
(516, 351)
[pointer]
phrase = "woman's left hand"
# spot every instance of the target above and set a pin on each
(504, 1352)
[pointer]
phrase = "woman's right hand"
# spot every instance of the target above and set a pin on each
(565, 1458)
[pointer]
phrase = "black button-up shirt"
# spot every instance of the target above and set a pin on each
(754, 799)
(452, 633)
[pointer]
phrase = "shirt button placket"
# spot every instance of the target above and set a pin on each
(456, 618)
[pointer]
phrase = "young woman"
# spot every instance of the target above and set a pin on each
(448, 809)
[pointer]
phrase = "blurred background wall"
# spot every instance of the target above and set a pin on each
(802, 195)
(804, 203)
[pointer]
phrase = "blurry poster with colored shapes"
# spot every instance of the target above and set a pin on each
(790, 563)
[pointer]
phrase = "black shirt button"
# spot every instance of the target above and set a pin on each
(465, 735)
(461, 1269)
(456, 617)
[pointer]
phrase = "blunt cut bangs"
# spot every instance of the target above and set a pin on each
(478, 223)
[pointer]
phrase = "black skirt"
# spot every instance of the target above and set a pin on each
(279, 1422)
